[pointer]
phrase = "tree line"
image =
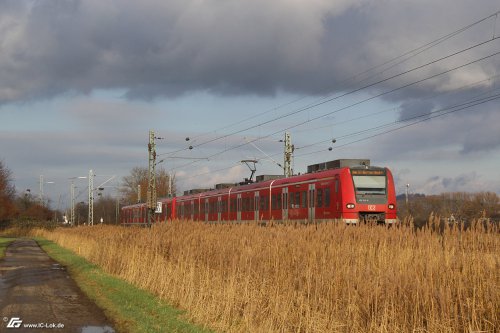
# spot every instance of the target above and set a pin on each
(452, 207)
(26, 207)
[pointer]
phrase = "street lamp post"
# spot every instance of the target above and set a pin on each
(91, 195)
(41, 189)
(72, 189)
(90, 219)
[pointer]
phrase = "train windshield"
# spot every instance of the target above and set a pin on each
(370, 184)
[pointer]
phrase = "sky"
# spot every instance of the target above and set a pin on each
(411, 85)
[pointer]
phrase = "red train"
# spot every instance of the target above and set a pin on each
(351, 191)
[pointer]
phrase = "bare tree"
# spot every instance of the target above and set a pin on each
(7, 194)
(139, 176)
(461, 206)
(106, 208)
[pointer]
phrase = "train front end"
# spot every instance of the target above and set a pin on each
(369, 195)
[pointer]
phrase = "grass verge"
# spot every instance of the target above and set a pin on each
(4, 242)
(131, 309)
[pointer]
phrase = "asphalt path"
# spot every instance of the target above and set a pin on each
(34, 289)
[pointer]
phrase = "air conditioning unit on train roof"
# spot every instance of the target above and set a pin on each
(336, 164)
(197, 190)
(223, 185)
(263, 178)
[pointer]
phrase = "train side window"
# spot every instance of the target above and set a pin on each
(304, 199)
(319, 199)
(327, 197)
(336, 186)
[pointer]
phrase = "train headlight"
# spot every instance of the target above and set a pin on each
(350, 206)
(391, 206)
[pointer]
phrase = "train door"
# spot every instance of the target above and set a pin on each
(256, 206)
(337, 199)
(206, 210)
(311, 205)
(192, 210)
(238, 207)
(284, 197)
(219, 208)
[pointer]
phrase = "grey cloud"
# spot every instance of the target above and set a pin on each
(155, 48)
(461, 183)
(482, 133)
(413, 109)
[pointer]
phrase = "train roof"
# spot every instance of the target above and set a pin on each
(315, 171)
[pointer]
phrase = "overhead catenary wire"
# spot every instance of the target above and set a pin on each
(408, 55)
(351, 92)
(367, 99)
(475, 99)
(428, 116)
(359, 102)
(489, 99)
(397, 108)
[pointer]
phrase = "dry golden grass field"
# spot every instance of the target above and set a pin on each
(308, 278)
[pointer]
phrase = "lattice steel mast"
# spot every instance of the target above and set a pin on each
(289, 148)
(151, 201)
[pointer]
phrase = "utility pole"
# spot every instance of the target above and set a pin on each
(91, 198)
(289, 148)
(72, 218)
(138, 193)
(41, 190)
(169, 184)
(406, 193)
(406, 197)
(117, 213)
(151, 201)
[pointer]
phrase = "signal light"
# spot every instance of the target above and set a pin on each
(350, 206)
(391, 206)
